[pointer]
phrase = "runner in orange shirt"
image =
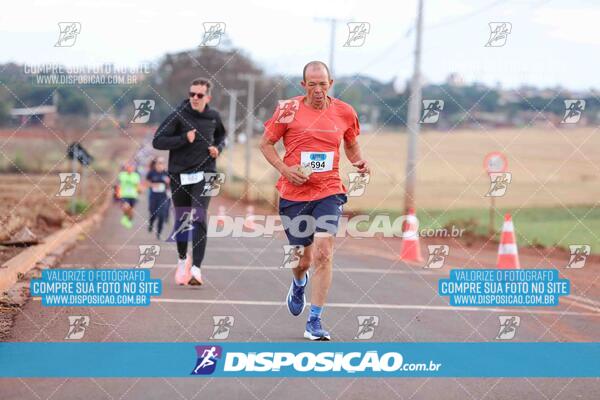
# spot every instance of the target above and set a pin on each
(311, 191)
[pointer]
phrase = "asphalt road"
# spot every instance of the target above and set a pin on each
(243, 279)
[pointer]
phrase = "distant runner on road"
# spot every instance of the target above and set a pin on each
(158, 205)
(129, 189)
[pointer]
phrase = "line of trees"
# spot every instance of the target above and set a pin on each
(168, 81)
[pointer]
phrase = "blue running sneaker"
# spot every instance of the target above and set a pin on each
(296, 300)
(314, 330)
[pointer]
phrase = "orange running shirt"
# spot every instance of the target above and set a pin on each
(312, 136)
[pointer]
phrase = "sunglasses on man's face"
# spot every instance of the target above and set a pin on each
(198, 95)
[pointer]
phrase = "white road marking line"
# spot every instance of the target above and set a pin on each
(578, 301)
(581, 305)
(271, 268)
(584, 300)
(174, 250)
(381, 306)
(370, 306)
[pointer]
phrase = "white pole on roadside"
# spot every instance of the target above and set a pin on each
(233, 95)
(333, 24)
(249, 130)
(414, 111)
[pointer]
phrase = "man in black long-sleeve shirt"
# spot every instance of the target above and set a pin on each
(195, 136)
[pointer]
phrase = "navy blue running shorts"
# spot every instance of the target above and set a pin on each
(301, 219)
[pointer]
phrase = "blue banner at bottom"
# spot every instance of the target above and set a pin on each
(318, 359)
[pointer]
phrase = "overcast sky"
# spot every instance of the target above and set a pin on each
(551, 43)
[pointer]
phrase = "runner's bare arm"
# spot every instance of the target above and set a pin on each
(354, 154)
(292, 174)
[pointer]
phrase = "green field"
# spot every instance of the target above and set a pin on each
(534, 226)
(555, 181)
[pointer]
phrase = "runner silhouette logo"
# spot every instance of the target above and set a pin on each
(207, 359)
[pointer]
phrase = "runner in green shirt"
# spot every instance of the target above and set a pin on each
(129, 184)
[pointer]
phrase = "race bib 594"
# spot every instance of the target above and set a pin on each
(318, 161)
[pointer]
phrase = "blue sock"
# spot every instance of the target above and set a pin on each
(315, 311)
(301, 282)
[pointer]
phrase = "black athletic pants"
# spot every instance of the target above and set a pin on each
(185, 198)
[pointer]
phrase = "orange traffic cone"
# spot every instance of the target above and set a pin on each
(249, 220)
(508, 256)
(409, 247)
(221, 217)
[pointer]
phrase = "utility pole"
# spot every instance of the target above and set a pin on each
(414, 112)
(249, 130)
(233, 95)
(333, 22)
